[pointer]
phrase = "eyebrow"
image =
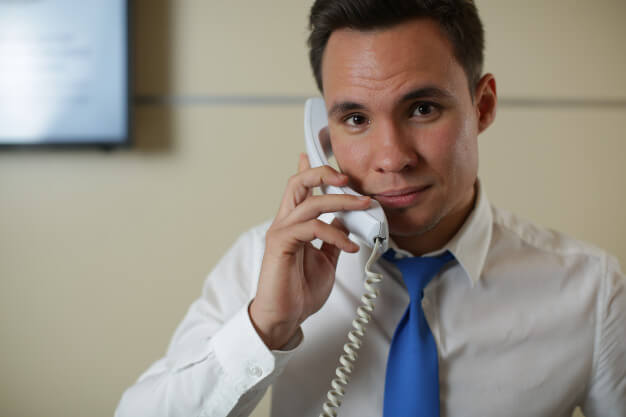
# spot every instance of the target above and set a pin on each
(428, 91)
(344, 107)
(424, 92)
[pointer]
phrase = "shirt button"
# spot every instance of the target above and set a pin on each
(255, 371)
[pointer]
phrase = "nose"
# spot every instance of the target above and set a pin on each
(393, 150)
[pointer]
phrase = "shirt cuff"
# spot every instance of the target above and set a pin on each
(243, 355)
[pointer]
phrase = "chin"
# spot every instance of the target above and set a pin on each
(405, 225)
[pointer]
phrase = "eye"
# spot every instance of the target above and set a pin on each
(356, 120)
(424, 109)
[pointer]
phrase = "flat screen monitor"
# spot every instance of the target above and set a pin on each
(64, 73)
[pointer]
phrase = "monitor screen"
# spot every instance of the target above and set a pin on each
(64, 72)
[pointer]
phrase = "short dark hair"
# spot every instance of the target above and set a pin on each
(458, 20)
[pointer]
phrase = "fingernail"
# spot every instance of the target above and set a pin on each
(364, 197)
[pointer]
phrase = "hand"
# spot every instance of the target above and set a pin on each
(296, 278)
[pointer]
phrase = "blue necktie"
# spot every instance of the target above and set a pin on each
(412, 381)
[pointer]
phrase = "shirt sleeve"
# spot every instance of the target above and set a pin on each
(607, 391)
(216, 364)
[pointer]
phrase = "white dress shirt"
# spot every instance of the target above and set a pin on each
(528, 322)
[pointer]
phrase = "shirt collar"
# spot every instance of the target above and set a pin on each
(471, 243)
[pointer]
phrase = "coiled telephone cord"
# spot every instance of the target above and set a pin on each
(347, 359)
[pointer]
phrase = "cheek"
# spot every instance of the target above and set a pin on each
(464, 153)
(467, 146)
(351, 156)
(437, 145)
(452, 149)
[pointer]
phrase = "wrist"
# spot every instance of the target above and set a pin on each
(274, 333)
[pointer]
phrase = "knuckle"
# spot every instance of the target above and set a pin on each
(318, 226)
(272, 235)
(292, 179)
(269, 235)
(316, 202)
(328, 170)
(312, 204)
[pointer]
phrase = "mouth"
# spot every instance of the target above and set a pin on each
(402, 198)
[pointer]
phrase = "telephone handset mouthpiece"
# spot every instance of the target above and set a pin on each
(369, 225)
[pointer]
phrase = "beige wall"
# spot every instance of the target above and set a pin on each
(102, 253)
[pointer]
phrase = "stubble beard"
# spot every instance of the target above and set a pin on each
(422, 230)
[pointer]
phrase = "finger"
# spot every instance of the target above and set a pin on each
(293, 237)
(332, 252)
(303, 162)
(328, 203)
(339, 225)
(301, 184)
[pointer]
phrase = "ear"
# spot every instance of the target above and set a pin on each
(486, 100)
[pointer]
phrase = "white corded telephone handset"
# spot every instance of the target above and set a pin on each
(369, 225)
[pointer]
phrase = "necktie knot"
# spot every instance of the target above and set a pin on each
(419, 270)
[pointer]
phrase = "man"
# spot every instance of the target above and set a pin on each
(526, 321)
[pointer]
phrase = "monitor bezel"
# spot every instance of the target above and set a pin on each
(102, 143)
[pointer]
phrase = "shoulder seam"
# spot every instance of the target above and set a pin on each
(580, 247)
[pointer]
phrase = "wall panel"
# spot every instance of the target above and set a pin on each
(561, 168)
(556, 49)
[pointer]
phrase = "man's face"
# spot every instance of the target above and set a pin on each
(402, 122)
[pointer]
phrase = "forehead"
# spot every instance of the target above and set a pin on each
(408, 55)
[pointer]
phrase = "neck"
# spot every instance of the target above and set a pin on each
(443, 231)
